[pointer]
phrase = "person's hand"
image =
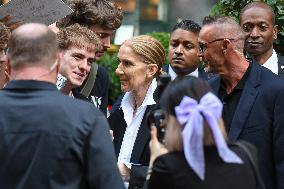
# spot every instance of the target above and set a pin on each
(10, 25)
(124, 171)
(156, 147)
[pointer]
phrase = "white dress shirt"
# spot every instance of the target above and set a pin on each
(133, 122)
(272, 63)
(173, 74)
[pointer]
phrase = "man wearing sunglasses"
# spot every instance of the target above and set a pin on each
(252, 95)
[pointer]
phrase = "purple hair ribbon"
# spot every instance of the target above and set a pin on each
(189, 113)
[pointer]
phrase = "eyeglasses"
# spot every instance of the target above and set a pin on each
(203, 46)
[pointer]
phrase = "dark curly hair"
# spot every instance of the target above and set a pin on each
(93, 12)
(4, 36)
(187, 25)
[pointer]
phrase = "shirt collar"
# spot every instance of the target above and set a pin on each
(241, 83)
(30, 84)
(127, 103)
(272, 63)
(128, 99)
(173, 74)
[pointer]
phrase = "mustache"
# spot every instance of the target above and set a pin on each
(177, 58)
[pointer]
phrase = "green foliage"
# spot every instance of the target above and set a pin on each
(233, 8)
(110, 62)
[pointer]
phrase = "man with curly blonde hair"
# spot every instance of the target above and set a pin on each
(78, 46)
(103, 17)
(4, 37)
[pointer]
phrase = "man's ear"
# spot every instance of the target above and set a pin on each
(276, 29)
(152, 70)
(225, 44)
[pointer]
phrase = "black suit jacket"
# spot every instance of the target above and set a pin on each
(141, 152)
(51, 140)
(259, 119)
(140, 156)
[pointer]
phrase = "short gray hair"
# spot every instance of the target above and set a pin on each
(32, 44)
(227, 27)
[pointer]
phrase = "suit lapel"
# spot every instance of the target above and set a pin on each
(281, 66)
(143, 136)
(215, 84)
(246, 102)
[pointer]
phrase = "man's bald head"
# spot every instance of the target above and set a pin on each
(32, 44)
(261, 5)
(226, 27)
(258, 24)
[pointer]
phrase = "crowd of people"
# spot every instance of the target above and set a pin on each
(217, 124)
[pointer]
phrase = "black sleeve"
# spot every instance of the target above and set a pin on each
(278, 138)
(101, 166)
(161, 177)
(137, 176)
